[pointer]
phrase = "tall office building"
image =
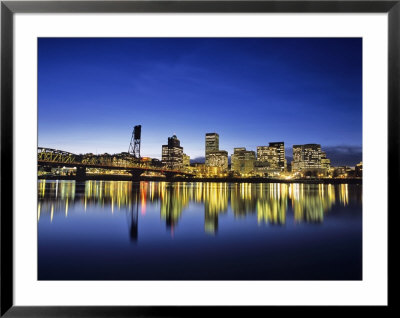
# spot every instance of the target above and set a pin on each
(243, 161)
(280, 153)
(265, 153)
(172, 154)
(212, 142)
(272, 157)
(298, 158)
(309, 157)
(268, 156)
(214, 157)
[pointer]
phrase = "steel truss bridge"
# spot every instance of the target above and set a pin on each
(57, 158)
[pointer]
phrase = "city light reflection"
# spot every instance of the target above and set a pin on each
(270, 203)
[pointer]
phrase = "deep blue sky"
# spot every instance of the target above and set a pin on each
(250, 91)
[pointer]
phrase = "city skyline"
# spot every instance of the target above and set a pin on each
(250, 91)
(198, 153)
(354, 156)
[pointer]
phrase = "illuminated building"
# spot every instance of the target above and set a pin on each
(262, 168)
(215, 158)
(271, 159)
(345, 172)
(212, 143)
(267, 155)
(243, 161)
(185, 160)
(218, 159)
(306, 156)
(279, 153)
(341, 172)
(310, 160)
(203, 171)
(199, 169)
(172, 154)
(325, 162)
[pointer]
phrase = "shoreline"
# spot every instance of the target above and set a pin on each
(218, 180)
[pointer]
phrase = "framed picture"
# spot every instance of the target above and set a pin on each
(162, 155)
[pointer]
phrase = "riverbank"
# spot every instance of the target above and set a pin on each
(229, 180)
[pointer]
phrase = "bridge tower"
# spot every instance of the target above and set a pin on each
(134, 146)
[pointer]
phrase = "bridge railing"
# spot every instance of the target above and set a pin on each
(54, 155)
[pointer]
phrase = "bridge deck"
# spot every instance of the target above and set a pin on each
(111, 167)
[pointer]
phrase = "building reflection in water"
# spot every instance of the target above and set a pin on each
(272, 203)
(269, 202)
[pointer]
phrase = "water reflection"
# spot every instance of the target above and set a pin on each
(270, 203)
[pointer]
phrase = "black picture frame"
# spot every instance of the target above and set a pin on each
(9, 8)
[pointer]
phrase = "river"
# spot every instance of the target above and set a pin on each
(121, 230)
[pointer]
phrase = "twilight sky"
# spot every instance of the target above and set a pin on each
(251, 91)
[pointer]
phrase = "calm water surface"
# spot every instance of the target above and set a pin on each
(117, 230)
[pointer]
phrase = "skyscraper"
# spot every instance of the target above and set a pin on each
(280, 154)
(212, 142)
(214, 157)
(309, 157)
(268, 156)
(172, 154)
(272, 156)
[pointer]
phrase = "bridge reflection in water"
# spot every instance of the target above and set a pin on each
(269, 202)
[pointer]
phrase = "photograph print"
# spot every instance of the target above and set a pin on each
(199, 159)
